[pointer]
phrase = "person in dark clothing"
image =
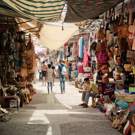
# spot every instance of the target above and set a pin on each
(53, 67)
(70, 70)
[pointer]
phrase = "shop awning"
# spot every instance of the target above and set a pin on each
(6, 10)
(29, 26)
(79, 10)
(41, 10)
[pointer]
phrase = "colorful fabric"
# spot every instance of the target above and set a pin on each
(80, 67)
(86, 58)
(102, 57)
(121, 104)
(81, 47)
(75, 50)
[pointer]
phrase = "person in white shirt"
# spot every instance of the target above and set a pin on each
(50, 77)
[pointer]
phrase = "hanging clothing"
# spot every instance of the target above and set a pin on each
(81, 47)
(80, 67)
(75, 50)
(102, 57)
(86, 58)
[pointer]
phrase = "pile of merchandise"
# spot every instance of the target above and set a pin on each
(17, 65)
(112, 62)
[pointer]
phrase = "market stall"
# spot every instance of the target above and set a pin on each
(17, 60)
(111, 55)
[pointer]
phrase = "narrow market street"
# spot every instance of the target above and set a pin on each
(67, 67)
(57, 114)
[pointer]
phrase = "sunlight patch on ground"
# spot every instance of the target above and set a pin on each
(38, 117)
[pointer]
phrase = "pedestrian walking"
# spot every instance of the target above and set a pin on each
(62, 75)
(40, 71)
(49, 79)
(70, 71)
(44, 71)
(53, 67)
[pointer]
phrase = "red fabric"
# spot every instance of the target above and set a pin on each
(86, 59)
(127, 128)
(80, 68)
(102, 57)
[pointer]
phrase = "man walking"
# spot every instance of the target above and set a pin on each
(62, 73)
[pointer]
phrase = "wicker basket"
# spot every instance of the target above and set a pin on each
(126, 97)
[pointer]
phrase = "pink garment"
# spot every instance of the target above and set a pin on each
(80, 67)
(75, 50)
(86, 58)
(102, 57)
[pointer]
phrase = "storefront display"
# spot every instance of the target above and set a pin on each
(17, 60)
(112, 58)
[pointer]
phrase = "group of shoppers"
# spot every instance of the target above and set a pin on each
(48, 73)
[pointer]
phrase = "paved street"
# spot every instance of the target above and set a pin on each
(57, 114)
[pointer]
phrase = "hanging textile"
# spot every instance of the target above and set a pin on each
(75, 50)
(81, 47)
(86, 58)
(40, 10)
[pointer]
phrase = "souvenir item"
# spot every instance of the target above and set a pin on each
(123, 31)
(101, 34)
(102, 57)
(128, 67)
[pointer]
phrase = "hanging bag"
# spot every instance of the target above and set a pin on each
(102, 57)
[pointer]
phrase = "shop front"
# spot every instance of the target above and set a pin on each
(107, 61)
(17, 60)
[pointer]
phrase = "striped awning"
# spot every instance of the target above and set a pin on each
(79, 10)
(6, 10)
(41, 10)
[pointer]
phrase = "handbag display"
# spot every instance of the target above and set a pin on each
(131, 54)
(123, 31)
(101, 34)
(128, 67)
(102, 57)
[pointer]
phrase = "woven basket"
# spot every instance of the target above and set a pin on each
(127, 98)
